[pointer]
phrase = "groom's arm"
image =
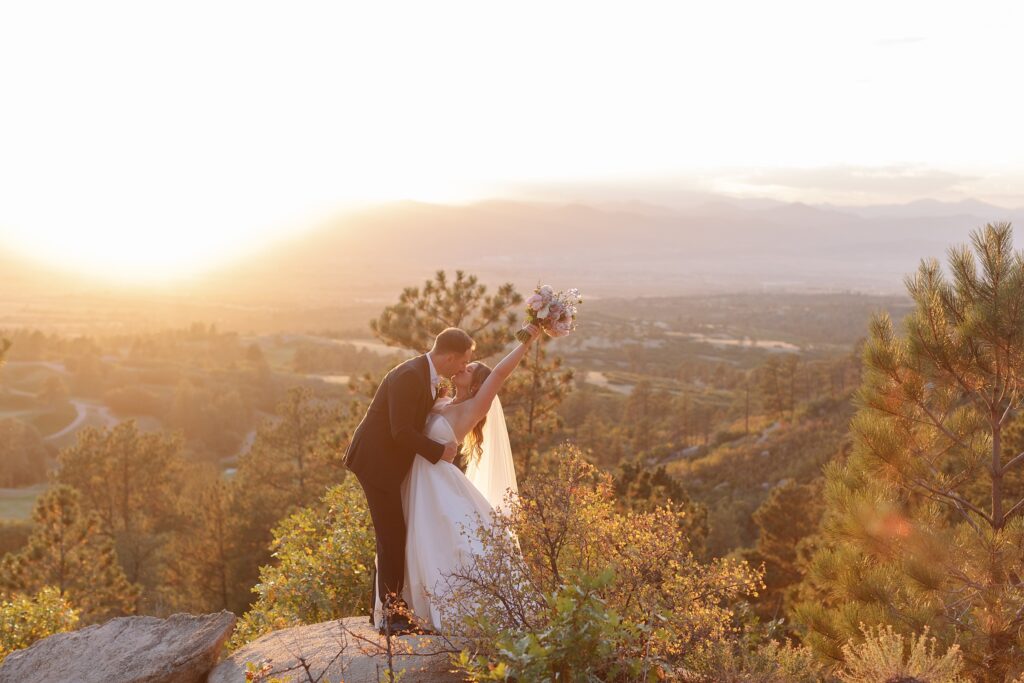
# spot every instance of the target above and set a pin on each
(403, 397)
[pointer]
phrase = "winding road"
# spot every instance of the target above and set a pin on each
(84, 408)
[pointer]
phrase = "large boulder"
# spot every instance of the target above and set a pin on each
(180, 649)
(347, 649)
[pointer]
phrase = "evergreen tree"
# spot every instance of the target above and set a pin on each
(772, 388)
(68, 551)
(292, 461)
(924, 521)
(638, 415)
(420, 314)
(203, 571)
(530, 397)
(790, 515)
(643, 489)
(23, 454)
(132, 481)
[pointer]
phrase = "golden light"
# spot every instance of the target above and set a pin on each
(142, 141)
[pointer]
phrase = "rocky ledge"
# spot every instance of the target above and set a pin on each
(180, 649)
(345, 649)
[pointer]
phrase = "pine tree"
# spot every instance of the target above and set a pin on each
(203, 568)
(772, 387)
(292, 461)
(638, 415)
(23, 454)
(791, 513)
(924, 521)
(420, 314)
(132, 481)
(530, 397)
(68, 551)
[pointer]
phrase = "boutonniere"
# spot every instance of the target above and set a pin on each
(445, 387)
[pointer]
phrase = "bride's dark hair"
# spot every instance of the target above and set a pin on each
(472, 445)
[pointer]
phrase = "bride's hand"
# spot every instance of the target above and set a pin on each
(533, 331)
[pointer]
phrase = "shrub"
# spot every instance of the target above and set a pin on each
(532, 577)
(324, 566)
(26, 619)
(584, 640)
(885, 655)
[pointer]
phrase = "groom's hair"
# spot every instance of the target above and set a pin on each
(453, 340)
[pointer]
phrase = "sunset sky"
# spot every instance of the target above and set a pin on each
(154, 139)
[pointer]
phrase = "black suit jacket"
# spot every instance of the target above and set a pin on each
(391, 433)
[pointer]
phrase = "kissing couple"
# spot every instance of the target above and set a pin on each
(403, 453)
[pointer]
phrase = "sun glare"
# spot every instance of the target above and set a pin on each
(145, 142)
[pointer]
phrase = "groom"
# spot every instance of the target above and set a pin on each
(387, 439)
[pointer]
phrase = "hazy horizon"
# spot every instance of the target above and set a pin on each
(129, 154)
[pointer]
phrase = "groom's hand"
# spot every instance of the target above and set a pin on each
(451, 449)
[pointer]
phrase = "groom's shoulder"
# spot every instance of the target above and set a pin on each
(411, 365)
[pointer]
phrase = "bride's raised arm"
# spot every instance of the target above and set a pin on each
(481, 402)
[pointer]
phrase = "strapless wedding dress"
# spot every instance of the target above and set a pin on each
(442, 510)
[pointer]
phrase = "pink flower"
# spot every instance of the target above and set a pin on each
(536, 302)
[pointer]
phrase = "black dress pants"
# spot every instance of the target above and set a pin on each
(389, 528)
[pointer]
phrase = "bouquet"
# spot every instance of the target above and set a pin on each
(554, 312)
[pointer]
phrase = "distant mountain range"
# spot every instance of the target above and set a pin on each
(621, 248)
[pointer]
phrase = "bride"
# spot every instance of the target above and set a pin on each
(442, 505)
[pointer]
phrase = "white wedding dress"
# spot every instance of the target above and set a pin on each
(443, 508)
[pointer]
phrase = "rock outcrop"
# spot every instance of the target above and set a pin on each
(346, 649)
(180, 649)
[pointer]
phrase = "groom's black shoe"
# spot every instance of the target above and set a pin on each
(397, 621)
(397, 626)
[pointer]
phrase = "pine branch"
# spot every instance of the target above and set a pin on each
(1014, 461)
(1017, 507)
(958, 500)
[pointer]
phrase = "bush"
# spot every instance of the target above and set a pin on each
(885, 655)
(324, 566)
(24, 619)
(584, 640)
(531, 578)
(765, 662)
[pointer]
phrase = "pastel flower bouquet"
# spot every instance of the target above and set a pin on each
(554, 312)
